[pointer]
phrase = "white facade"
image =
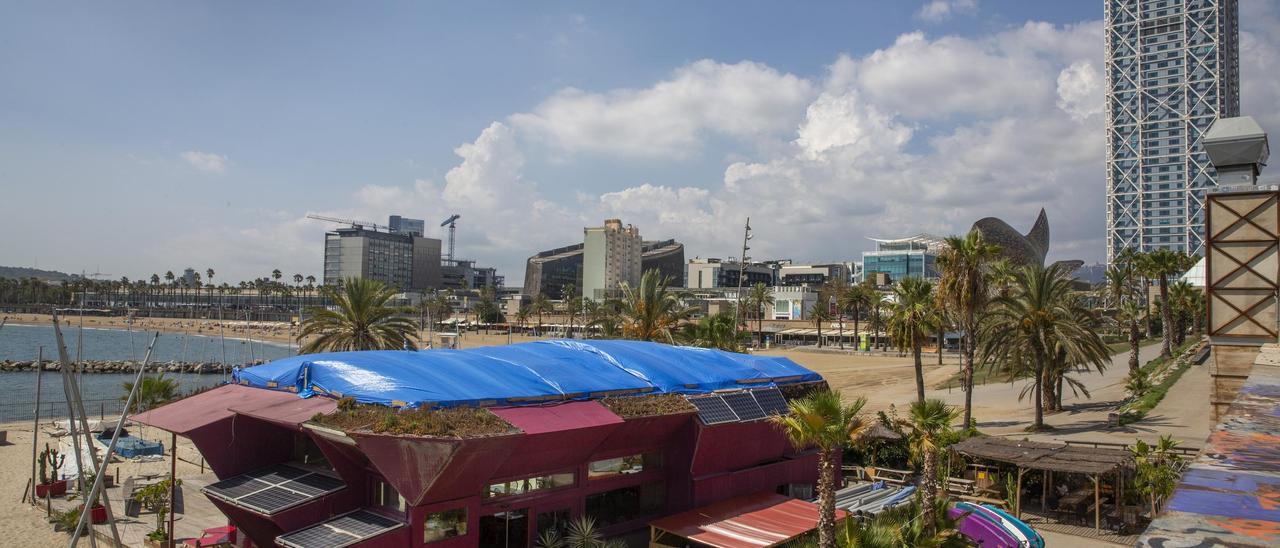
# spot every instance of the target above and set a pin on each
(610, 256)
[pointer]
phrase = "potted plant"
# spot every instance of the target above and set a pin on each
(50, 487)
(155, 497)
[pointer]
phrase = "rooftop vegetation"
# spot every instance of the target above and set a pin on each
(649, 405)
(459, 422)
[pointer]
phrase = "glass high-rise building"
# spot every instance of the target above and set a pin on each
(1172, 69)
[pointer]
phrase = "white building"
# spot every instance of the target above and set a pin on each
(610, 256)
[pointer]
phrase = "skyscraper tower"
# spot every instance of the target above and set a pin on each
(1172, 69)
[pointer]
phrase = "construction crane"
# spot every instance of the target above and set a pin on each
(354, 223)
(452, 223)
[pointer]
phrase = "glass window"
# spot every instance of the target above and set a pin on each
(526, 485)
(627, 503)
(630, 464)
(386, 496)
(444, 524)
(554, 520)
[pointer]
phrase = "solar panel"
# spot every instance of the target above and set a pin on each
(343, 530)
(275, 488)
(713, 409)
(744, 405)
(771, 401)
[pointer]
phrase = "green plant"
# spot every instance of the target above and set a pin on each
(824, 422)
(581, 533)
(1137, 384)
(68, 520)
(963, 288)
(927, 423)
(1157, 468)
(360, 320)
(912, 317)
(650, 311)
(155, 497)
(154, 391)
(50, 458)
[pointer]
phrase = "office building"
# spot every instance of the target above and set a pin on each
(610, 258)
(405, 225)
(894, 260)
(462, 274)
(812, 275)
(403, 261)
(711, 273)
(1172, 69)
(550, 271)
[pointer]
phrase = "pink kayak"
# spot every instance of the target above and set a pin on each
(981, 531)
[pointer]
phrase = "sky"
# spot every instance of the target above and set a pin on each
(142, 137)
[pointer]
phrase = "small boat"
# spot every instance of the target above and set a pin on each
(1033, 537)
(981, 531)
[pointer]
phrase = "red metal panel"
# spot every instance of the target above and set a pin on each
(644, 432)
(447, 468)
(749, 521)
(802, 469)
(557, 436)
(732, 446)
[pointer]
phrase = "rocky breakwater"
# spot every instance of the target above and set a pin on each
(123, 366)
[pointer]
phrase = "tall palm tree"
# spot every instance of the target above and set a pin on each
(1183, 298)
(541, 305)
(154, 391)
(1000, 276)
(605, 317)
(362, 320)
(832, 292)
(963, 288)
(1039, 320)
(820, 313)
(822, 421)
(854, 300)
(911, 320)
(879, 301)
(1160, 264)
(1130, 316)
(760, 298)
(572, 302)
(522, 315)
(651, 312)
(926, 423)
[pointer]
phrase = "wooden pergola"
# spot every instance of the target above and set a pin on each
(1048, 458)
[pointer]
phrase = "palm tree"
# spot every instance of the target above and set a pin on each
(854, 300)
(903, 526)
(1183, 298)
(604, 315)
(208, 276)
(1038, 321)
(154, 391)
(541, 305)
(1160, 264)
(831, 292)
(362, 320)
(822, 421)
(1000, 276)
(820, 312)
(760, 298)
(878, 301)
(650, 312)
(572, 304)
(169, 277)
(963, 288)
(714, 331)
(926, 423)
(1131, 314)
(912, 318)
(1156, 469)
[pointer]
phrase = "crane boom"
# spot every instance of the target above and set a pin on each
(354, 223)
(452, 223)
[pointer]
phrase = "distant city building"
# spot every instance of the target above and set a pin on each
(1173, 68)
(916, 257)
(789, 302)
(610, 258)
(189, 277)
(811, 275)
(711, 273)
(405, 225)
(407, 262)
(550, 271)
(464, 274)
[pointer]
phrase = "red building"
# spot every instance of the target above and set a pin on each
(569, 443)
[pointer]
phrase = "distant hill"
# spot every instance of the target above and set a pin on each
(21, 272)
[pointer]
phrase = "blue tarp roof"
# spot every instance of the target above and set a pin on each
(497, 375)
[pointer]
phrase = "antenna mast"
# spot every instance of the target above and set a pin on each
(742, 268)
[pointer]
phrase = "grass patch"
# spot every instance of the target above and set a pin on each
(650, 405)
(460, 422)
(1137, 409)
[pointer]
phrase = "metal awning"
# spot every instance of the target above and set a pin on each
(750, 521)
(191, 413)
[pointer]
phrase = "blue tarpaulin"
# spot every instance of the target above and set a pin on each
(516, 373)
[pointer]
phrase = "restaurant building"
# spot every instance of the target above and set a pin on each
(624, 432)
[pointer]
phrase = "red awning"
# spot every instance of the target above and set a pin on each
(540, 419)
(188, 414)
(749, 521)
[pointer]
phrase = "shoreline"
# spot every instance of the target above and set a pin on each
(273, 333)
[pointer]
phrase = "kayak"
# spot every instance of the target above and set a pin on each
(1033, 537)
(982, 532)
(1018, 533)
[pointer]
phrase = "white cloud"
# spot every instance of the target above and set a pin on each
(1081, 90)
(935, 11)
(671, 118)
(207, 162)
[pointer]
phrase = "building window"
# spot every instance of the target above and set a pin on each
(630, 464)
(444, 524)
(554, 520)
(528, 485)
(386, 496)
(627, 503)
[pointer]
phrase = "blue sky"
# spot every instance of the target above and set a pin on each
(143, 137)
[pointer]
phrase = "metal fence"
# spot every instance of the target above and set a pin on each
(57, 409)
